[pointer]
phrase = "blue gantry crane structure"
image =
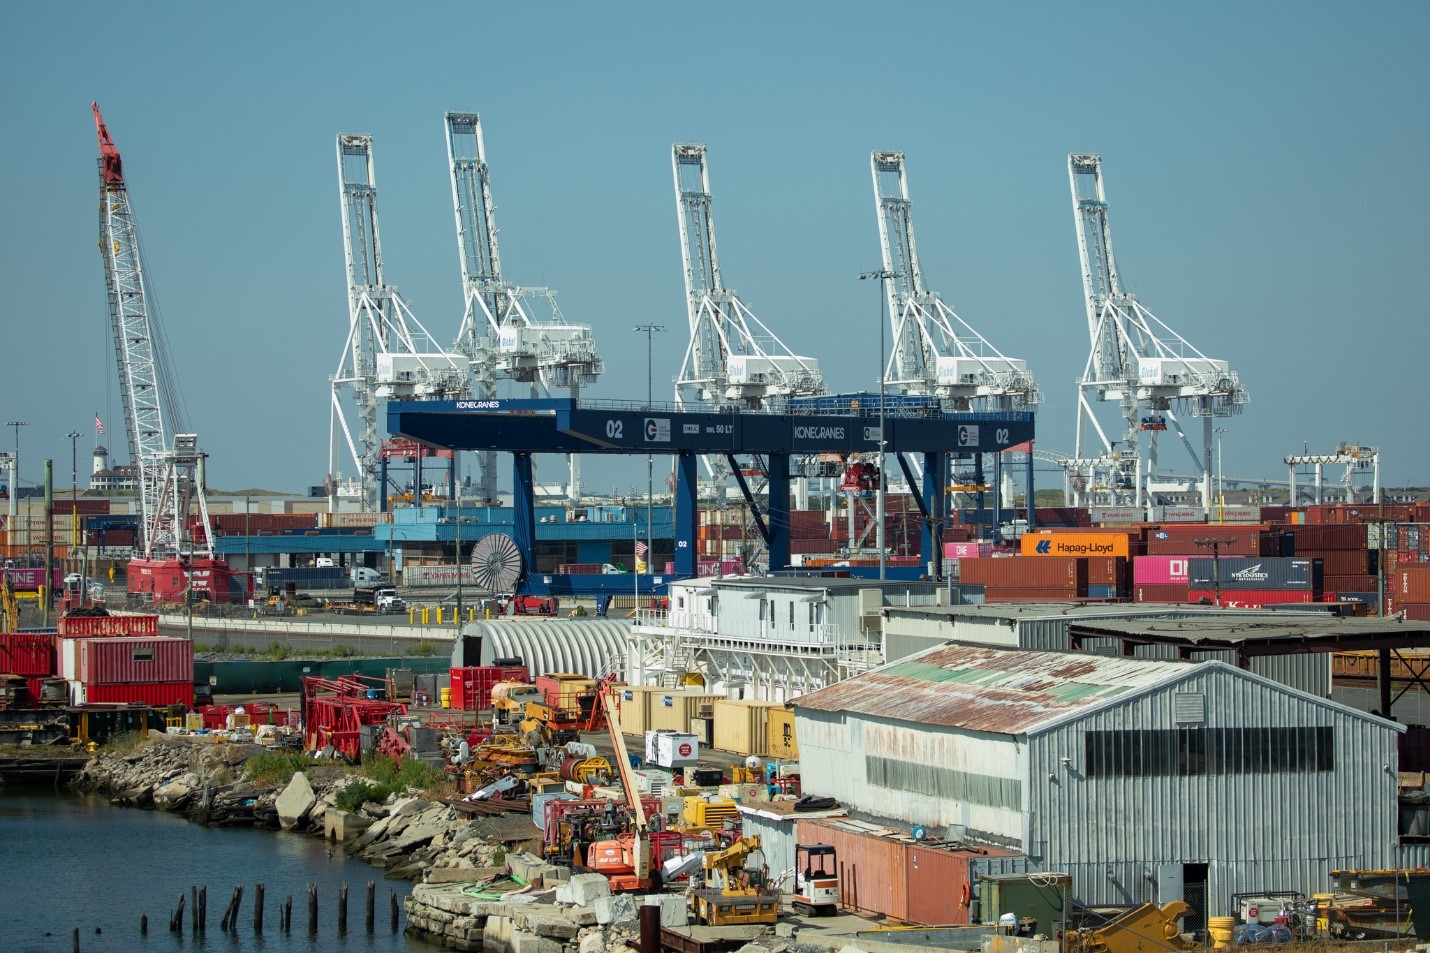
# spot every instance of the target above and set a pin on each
(829, 424)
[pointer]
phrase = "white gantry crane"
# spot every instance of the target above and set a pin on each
(507, 330)
(1138, 362)
(388, 354)
(733, 359)
(168, 466)
(1355, 458)
(935, 353)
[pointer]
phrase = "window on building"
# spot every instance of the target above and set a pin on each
(1192, 751)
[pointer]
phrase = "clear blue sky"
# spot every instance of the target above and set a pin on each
(1265, 163)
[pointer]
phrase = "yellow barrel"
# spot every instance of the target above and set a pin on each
(446, 694)
(1222, 930)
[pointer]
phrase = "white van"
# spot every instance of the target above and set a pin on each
(363, 576)
(324, 562)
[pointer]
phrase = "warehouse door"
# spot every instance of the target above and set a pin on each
(1194, 891)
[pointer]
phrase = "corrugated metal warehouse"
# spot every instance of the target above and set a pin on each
(591, 647)
(1145, 780)
(1046, 627)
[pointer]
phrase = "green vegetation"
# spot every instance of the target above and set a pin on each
(276, 767)
(425, 647)
(129, 742)
(387, 777)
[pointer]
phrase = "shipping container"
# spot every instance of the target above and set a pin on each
(1172, 593)
(1412, 584)
(873, 870)
(780, 741)
(119, 661)
(436, 575)
(1266, 573)
(564, 689)
(97, 626)
(472, 684)
(1026, 572)
(27, 655)
(1107, 571)
(633, 704)
(967, 550)
(1160, 570)
(741, 725)
(1180, 539)
(158, 694)
(1250, 598)
(1321, 537)
(66, 658)
(1103, 591)
(1343, 562)
(1007, 595)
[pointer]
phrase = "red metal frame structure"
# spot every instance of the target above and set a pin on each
(335, 711)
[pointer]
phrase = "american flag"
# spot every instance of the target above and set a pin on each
(98, 425)
(640, 548)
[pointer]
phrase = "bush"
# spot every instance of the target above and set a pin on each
(276, 767)
(425, 647)
(355, 795)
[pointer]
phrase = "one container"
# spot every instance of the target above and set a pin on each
(1026, 572)
(1251, 598)
(92, 626)
(667, 712)
(779, 734)
(120, 661)
(1162, 594)
(704, 730)
(27, 655)
(564, 689)
(740, 725)
(1160, 570)
(1259, 574)
(633, 704)
(157, 694)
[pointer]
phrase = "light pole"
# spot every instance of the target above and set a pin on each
(1220, 477)
(1216, 545)
(15, 489)
(883, 275)
(650, 330)
(74, 504)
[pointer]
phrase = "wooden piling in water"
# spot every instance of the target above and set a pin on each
(193, 909)
(76, 940)
(392, 895)
(343, 908)
(203, 910)
(176, 922)
(369, 906)
(258, 908)
(144, 925)
(285, 921)
(312, 908)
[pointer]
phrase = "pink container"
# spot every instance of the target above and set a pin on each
(1160, 570)
(966, 550)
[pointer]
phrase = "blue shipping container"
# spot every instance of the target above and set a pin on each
(1251, 572)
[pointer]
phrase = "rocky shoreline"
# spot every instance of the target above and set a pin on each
(470, 894)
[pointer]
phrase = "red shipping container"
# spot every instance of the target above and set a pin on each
(1344, 536)
(992, 596)
(1107, 571)
(1412, 583)
(1349, 583)
(1340, 562)
(472, 684)
(27, 655)
(1252, 598)
(1026, 572)
(92, 626)
(1160, 593)
(1414, 611)
(120, 661)
(1180, 539)
(158, 694)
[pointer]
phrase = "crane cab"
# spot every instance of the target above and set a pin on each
(816, 879)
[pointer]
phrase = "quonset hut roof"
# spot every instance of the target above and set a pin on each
(575, 646)
(992, 690)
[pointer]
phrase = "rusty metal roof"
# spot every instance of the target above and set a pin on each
(987, 689)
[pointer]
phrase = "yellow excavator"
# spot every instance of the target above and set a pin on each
(735, 887)
(1145, 929)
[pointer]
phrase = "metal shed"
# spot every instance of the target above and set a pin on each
(591, 647)
(1145, 780)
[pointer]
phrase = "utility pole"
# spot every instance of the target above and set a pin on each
(74, 435)
(1216, 545)
(883, 275)
(650, 330)
(15, 489)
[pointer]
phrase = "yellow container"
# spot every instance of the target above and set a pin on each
(1222, 931)
(779, 735)
(741, 725)
(446, 696)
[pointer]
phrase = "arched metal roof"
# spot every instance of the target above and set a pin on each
(579, 646)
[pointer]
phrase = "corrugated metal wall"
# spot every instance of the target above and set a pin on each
(835, 760)
(1271, 831)
(578, 646)
(777, 839)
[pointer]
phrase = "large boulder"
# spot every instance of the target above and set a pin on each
(583, 889)
(617, 908)
(295, 802)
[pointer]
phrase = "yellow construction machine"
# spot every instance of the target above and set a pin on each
(735, 887)
(1145, 929)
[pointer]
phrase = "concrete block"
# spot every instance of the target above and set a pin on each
(295, 802)
(582, 916)
(583, 889)
(617, 908)
(526, 943)
(497, 934)
(552, 925)
(785, 930)
(593, 943)
(344, 826)
(674, 909)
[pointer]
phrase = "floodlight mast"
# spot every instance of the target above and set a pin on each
(1137, 362)
(503, 334)
(733, 359)
(935, 353)
(388, 354)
